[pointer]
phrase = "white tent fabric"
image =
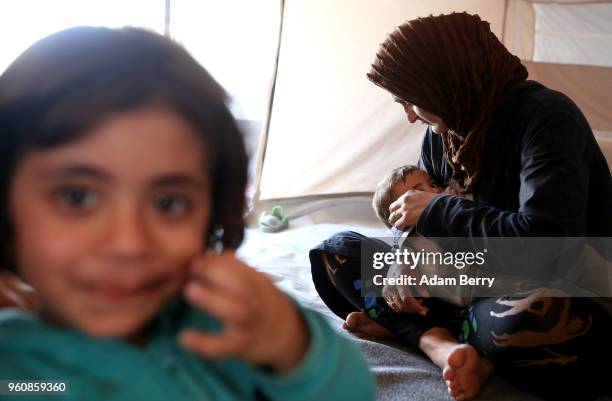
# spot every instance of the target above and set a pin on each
(333, 133)
(573, 34)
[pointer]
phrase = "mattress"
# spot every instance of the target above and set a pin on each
(402, 373)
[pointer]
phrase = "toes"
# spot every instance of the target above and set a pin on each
(356, 319)
(448, 373)
(454, 387)
(456, 394)
(352, 320)
(456, 359)
(465, 373)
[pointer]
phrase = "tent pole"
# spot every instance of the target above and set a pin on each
(505, 17)
(167, 13)
(263, 137)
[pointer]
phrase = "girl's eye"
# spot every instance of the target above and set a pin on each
(172, 205)
(77, 198)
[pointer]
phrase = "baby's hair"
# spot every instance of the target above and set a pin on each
(383, 196)
(68, 82)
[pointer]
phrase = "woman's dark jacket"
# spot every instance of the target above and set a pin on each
(543, 175)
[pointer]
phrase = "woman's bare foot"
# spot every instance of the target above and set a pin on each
(463, 368)
(360, 325)
(466, 371)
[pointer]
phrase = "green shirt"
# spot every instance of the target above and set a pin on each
(104, 369)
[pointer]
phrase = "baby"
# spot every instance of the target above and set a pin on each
(400, 180)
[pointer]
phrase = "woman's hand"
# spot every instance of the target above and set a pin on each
(260, 324)
(407, 209)
(400, 298)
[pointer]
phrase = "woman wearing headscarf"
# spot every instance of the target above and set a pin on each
(530, 159)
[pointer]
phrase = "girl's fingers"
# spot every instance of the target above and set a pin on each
(213, 346)
(232, 292)
(229, 307)
(225, 272)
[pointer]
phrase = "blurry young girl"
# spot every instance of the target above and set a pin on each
(122, 177)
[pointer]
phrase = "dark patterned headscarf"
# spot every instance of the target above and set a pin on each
(454, 67)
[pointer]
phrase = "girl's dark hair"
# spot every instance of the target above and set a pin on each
(69, 81)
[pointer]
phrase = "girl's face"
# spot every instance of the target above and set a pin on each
(105, 226)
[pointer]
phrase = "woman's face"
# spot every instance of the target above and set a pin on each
(415, 113)
(105, 226)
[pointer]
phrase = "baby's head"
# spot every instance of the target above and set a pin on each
(119, 162)
(400, 180)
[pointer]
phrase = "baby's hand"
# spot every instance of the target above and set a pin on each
(260, 324)
(400, 298)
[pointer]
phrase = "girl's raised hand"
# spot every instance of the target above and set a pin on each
(260, 324)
